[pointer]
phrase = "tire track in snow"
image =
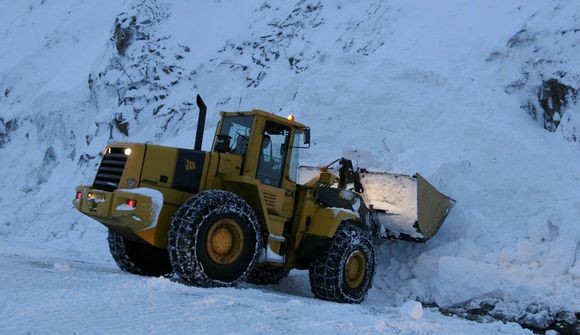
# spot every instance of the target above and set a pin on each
(95, 298)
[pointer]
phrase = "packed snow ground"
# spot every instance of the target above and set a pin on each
(44, 294)
(394, 85)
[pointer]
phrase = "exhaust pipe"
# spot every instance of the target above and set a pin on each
(200, 123)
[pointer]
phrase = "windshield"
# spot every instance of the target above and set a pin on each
(234, 134)
(273, 153)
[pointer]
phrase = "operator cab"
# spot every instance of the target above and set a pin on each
(268, 143)
(269, 147)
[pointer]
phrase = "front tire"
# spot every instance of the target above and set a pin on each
(345, 271)
(138, 258)
(214, 239)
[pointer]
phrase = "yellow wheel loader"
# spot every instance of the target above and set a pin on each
(240, 213)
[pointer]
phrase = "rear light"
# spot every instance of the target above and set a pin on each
(79, 195)
(132, 203)
(90, 195)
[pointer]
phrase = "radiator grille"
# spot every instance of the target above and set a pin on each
(111, 170)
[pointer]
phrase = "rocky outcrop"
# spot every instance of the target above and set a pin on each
(536, 317)
(141, 65)
(548, 82)
(552, 105)
(261, 52)
(6, 127)
(141, 73)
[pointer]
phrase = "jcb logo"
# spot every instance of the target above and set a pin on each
(189, 165)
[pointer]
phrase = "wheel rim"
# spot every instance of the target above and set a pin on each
(355, 269)
(225, 241)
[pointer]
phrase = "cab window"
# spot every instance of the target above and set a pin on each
(293, 172)
(274, 148)
(234, 135)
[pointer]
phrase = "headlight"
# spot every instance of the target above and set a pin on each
(128, 151)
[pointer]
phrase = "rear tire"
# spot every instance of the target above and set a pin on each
(265, 274)
(214, 239)
(138, 258)
(344, 273)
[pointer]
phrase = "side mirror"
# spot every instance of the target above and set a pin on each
(307, 136)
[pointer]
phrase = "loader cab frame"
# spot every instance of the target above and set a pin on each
(274, 150)
(269, 146)
(261, 138)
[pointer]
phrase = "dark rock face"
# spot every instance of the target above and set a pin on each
(263, 51)
(521, 38)
(537, 317)
(125, 29)
(567, 323)
(121, 124)
(554, 97)
(6, 127)
(552, 107)
(141, 74)
(549, 79)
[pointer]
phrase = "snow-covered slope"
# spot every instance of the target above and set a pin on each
(440, 88)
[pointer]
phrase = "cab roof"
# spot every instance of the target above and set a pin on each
(266, 115)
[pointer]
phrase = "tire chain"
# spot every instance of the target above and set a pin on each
(326, 273)
(182, 237)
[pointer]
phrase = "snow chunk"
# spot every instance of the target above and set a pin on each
(124, 207)
(294, 302)
(159, 282)
(337, 210)
(351, 197)
(382, 326)
(412, 309)
(209, 301)
(273, 256)
(61, 267)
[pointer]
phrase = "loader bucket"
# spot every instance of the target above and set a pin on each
(408, 207)
(433, 207)
(405, 207)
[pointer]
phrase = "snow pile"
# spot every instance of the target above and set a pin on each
(412, 309)
(397, 194)
(394, 85)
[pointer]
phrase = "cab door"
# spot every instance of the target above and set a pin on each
(277, 168)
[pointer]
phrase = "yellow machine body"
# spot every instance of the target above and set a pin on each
(139, 187)
(284, 208)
